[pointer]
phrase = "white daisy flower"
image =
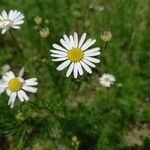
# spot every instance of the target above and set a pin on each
(106, 80)
(16, 86)
(76, 54)
(11, 20)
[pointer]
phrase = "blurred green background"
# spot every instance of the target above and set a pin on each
(69, 114)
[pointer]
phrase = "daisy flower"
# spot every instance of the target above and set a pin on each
(11, 20)
(106, 80)
(16, 86)
(75, 54)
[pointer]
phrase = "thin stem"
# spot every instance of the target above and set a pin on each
(106, 44)
(15, 41)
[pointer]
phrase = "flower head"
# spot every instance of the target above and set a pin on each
(11, 20)
(5, 68)
(76, 54)
(38, 20)
(106, 80)
(46, 21)
(44, 32)
(106, 36)
(16, 86)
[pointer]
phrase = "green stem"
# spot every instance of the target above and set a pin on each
(106, 44)
(16, 45)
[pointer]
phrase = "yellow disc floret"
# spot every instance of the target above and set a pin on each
(107, 79)
(6, 22)
(75, 54)
(14, 85)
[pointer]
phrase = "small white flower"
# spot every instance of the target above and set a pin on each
(76, 54)
(11, 20)
(16, 86)
(107, 80)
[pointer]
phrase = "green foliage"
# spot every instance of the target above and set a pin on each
(63, 107)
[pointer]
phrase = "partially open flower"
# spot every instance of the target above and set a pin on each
(106, 36)
(44, 33)
(38, 20)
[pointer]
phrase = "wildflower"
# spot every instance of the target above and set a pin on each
(76, 54)
(106, 36)
(75, 142)
(107, 80)
(16, 86)
(44, 33)
(11, 20)
(74, 138)
(46, 21)
(5, 68)
(38, 20)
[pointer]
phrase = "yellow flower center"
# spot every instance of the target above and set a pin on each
(75, 54)
(107, 79)
(14, 85)
(6, 22)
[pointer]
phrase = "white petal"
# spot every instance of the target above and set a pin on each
(80, 70)
(64, 44)
(86, 67)
(75, 71)
(59, 56)
(82, 39)
(92, 50)
(20, 96)
(72, 40)
(70, 69)
(24, 95)
(76, 39)
(89, 63)
(2, 90)
(3, 31)
(8, 92)
(16, 27)
(60, 59)
(56, 46)
(3, 85)
(92, 54)
(10, 74)
(12, 99)
(4, 14)
(67, 40)
(58, 52)
(10, 15)
(29, 88)
(88, 44)
(21, 72)
(18, 22)
(30, 82)
(63, 65)
(94, 60)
